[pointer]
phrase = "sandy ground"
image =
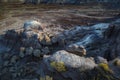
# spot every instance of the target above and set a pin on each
(56, 18)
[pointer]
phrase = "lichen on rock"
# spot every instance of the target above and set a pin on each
(59, 66)
(105, 67)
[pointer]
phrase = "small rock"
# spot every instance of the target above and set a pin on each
(6, 63)
(6, 56)
(21, 54)
(46, 50)
(14, 59)
(29, 51)
(14, 75)
(18, 74)
(41, 36)
(76, 49)
(12, 69)
(101, 60)
(22, 49)
(54, 39)
(61, 40)
(29, 34)
(117, 62)
(38, 46)
(46, 40)
(29, 25)
(37, 53)
(4, 70)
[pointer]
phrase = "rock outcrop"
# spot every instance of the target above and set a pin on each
(32, 25)
(112, 35)
(72, 61)
(81, 53)
(69, 65)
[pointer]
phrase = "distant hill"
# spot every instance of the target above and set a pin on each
(63, 1)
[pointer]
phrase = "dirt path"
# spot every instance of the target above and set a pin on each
(52, 17)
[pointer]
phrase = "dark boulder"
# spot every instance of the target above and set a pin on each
(112, 35)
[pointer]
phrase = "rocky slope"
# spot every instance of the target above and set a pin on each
(81, 53)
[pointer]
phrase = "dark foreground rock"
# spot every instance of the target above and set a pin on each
(81, 53)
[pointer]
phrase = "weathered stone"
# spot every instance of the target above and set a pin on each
(29, 51)
(112, 36)
(6, 63)
(12, 69)
(72, 60)
(101, 60)
(54, 39)
(30, 34)
(76, 49)
(14, 59)
(45, 50)
(41, 36)
(21, 54)
(14, 75)
(6, 56)
(37, 53)
(46, 40)
(29, 25)
(11, 35)
(38, 46)
(22, 49)
(61, 40)
(116, 62)
(5, 70)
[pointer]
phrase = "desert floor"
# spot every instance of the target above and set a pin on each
(55, 17)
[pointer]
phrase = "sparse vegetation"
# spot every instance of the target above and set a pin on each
(104, 75)
(59, 66)
(104, 66)
(99, 74)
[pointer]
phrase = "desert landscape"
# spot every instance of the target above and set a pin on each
(66, 16)
(59, 41)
